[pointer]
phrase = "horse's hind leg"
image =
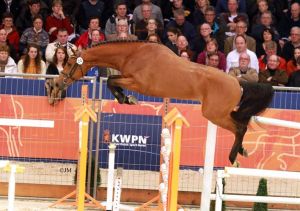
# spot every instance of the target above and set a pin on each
(117, 91)
(237, 146)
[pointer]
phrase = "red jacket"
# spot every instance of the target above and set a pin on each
(52, 21)
(84, 39)
(13, 38)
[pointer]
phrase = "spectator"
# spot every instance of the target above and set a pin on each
(186, 28)
(294, 79)
(141, 27)
(153, 38)
(288, 48)
(213, 60)
(120, 13)
(230, 18)
(185, 55)
(218, 30)
(152, 27)
(240, 29)
(35, 34)
(155, 12)
(198, 15)
(85, 38)
(32, 63)
(204, 36)
(58, 61)
(266, 21)
(13, 37)
(223, 6)
(212, 47)
(122, 32)
(89, 9)
(61, 41)
(7, 64)
(270, 49)
(12, 6)
(263, 6)
(25, 19)
(290, 20)
(57, 20)
(71, 8)
(232, 59)
(292, 64)
(267, 36)
(172, 6)
(4, 41)
(172, 34)
(243, 72)
(183, 45)
(273, 75)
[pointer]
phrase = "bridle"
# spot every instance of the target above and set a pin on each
(69, 75)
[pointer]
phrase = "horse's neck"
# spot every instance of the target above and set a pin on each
(107, 55)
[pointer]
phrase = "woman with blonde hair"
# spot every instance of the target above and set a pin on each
(31, 62)
(7, 64)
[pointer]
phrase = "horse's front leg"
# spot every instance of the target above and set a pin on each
(117, 91)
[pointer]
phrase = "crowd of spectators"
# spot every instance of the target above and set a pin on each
(252, 40)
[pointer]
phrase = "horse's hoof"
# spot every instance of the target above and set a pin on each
(245, 153)
(236, 164)
(132, 100)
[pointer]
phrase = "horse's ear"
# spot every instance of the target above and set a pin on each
(78, 53)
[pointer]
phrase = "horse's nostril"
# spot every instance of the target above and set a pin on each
(56, 84)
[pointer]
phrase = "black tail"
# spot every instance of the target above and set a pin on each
(255, 99)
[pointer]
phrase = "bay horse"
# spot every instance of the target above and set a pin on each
(154, 70)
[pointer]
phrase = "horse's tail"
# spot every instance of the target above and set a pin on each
(255, 99)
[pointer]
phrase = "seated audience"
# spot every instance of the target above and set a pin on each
(232, 59)
(288, 48)
(25, 19)
(270, 49)
(289, 20)
(172, 34)
(263, 6)
(223, 6)
(155, 12)
(183, 45)
(267, 36)
(213, 60)
(58, 61)
(204, 35)
(7, 64)
(198, 14)
(4, 41)
(171, 6)
(184, 54)
(32, 62)
(35, 35)
(294, 79)
(291, 66)
(153, 38)
(150, 28)
(122, 32)
(120, 13)
(273, 75)
(57, 20)
(240, 29)
(85, 38)
(212, 47)
(243, 72)
(230, 18)
(12, 33)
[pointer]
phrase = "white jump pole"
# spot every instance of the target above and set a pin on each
(11, 187)
(110, 176)
(208, 165)
(276, 122)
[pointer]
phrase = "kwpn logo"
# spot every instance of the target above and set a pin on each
(130, 140)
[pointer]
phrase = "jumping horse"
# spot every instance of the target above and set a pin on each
(154, 70)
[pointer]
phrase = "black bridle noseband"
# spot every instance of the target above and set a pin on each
(69, 75)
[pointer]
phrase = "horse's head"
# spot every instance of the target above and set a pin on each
(72, 71)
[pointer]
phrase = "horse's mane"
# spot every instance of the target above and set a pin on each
(122, 41)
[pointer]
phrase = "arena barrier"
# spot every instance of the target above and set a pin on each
(206, 195)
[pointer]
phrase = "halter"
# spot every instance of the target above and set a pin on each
(78, 63)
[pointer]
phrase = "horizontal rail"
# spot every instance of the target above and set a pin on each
(261, 173)
(27, 122)
(276, 122)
